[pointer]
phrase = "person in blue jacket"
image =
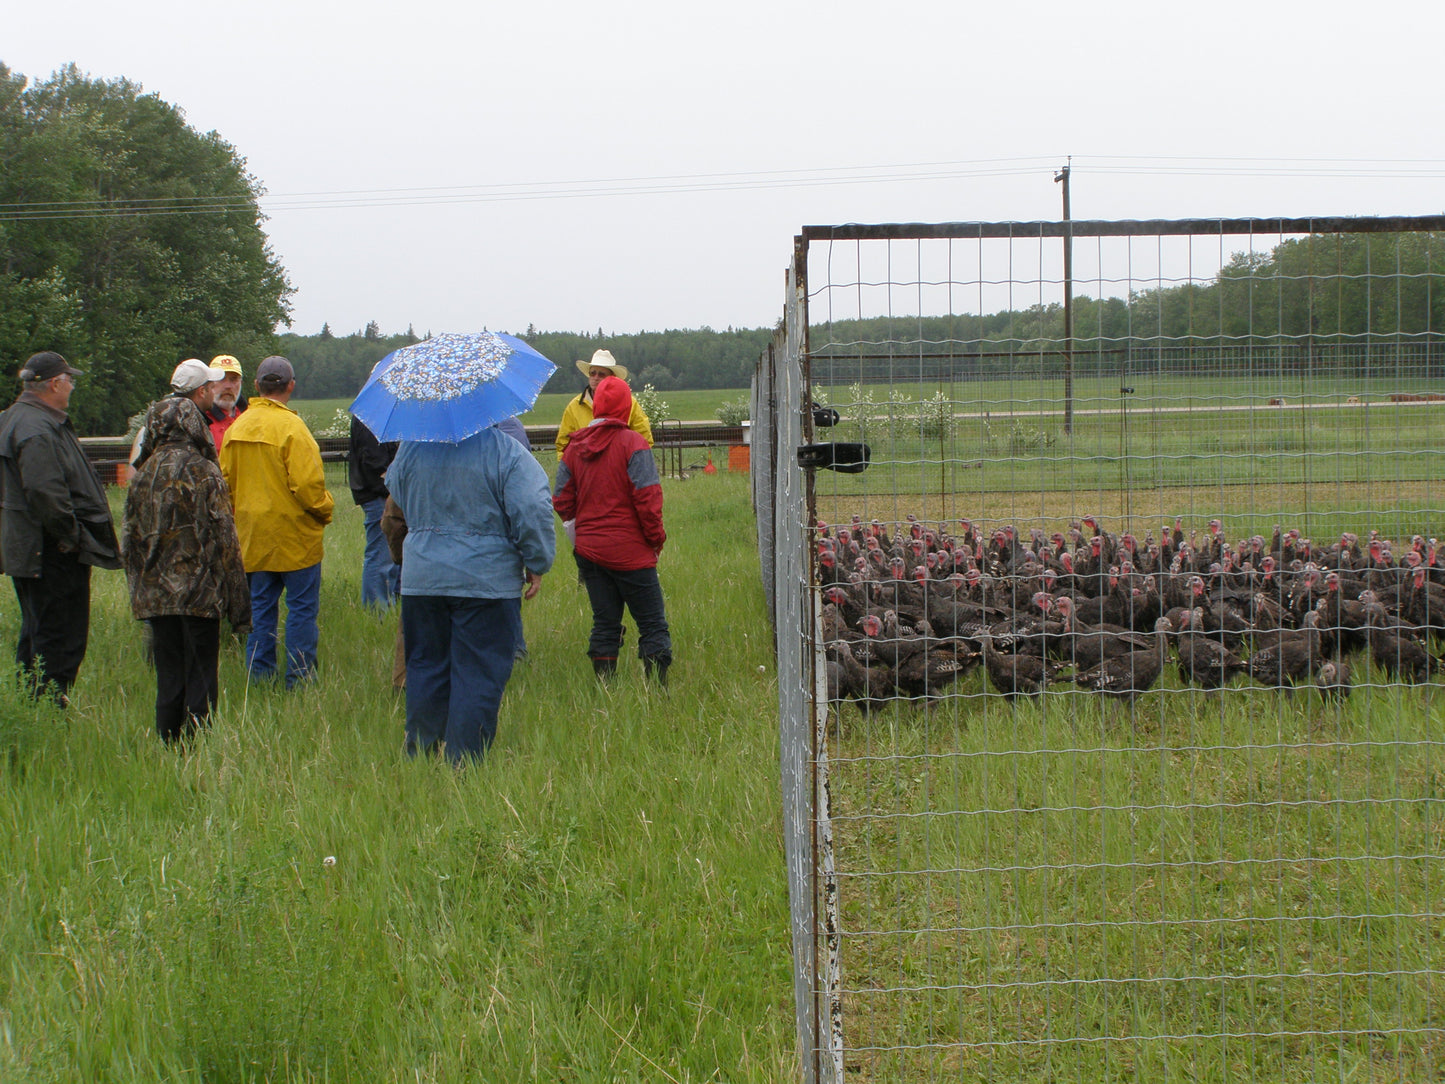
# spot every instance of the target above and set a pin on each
(479, 527)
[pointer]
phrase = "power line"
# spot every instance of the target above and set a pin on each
(755, 180)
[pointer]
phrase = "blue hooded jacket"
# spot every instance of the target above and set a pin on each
(477, 513)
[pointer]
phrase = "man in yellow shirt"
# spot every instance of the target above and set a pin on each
(578, 413)
(273, 467)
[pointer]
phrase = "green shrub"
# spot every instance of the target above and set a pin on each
(735, 411)
(935, 417)
(1017, 439)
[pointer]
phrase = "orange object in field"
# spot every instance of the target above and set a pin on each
(709, 469)
(740, 459)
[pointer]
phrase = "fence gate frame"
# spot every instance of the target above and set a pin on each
(784, 499)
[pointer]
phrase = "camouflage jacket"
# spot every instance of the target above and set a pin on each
(178, 538)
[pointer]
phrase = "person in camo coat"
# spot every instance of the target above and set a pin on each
(183, 562)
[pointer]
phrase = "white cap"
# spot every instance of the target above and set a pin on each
(193, 373)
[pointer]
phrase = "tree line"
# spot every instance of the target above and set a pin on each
(334, 366)
(1355, 303)
(128, 241)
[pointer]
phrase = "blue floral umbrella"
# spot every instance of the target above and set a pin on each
(451, 386)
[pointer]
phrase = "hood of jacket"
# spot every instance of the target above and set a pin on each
(592, 440)
(613, 399)
(179, 421)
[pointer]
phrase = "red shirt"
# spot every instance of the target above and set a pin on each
(220, 421)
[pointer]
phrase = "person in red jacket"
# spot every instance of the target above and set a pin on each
(607, 482)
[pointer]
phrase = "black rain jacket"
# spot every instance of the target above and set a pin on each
(49, 492)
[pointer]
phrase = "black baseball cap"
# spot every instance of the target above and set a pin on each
(47, 365)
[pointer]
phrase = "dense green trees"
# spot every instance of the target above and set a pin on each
(1352, 302)
(692, 358)
(329, 366)
(128, 241)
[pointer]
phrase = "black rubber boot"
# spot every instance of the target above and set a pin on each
(654, 667)
(604, 668)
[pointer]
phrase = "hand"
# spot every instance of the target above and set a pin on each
(534, 584)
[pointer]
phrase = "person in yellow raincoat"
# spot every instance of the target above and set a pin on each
(272, 465)
(578, 414)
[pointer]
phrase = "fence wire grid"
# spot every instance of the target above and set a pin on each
(1111, 687)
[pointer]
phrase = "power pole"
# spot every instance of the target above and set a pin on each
(1062, 177)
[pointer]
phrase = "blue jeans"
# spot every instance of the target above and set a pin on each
(303, 601)
(641, 592)
(380, 576)
(458, 660)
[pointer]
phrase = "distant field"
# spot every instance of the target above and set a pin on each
(699, 405)
(1032, 393)
(1024, 395)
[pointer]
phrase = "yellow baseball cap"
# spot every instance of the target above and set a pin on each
(227, 363)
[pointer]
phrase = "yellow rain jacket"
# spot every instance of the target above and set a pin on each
(578, 415)
(273, 466)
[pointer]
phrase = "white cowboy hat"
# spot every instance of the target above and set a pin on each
(602, 359)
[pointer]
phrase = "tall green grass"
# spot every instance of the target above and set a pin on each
(602, 898)
(1070, 890)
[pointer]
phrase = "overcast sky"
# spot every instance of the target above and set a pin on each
(644, 165)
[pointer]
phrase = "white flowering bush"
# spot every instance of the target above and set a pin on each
(653, 405)
(935, 417)
(734, 411)
(897, 417)
(339, 426)
(867, 412)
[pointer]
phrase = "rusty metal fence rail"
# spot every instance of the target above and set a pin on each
(1213, 450)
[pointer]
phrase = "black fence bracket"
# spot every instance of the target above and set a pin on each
(843, 458)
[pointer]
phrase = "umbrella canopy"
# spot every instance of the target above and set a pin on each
(451, 386)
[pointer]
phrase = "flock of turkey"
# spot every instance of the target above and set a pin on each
(908, 615)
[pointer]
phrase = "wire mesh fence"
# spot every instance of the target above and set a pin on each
(1118, 711)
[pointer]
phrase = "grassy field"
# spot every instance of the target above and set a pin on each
(602, 899)
(1179, 448)
(1024, 395)
(1208, 888)
(1025, 392)
(1240, 887)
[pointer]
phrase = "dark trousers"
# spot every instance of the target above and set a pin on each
(187, 652)
(54, 621)
(640, 591)
(458, 660)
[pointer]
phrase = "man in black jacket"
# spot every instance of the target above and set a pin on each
(368, 459)
(55, 525)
